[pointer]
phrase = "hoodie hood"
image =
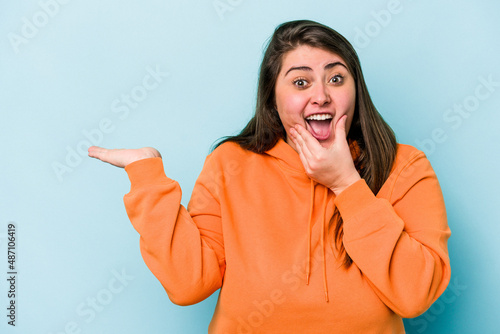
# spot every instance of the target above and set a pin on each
(321, 198)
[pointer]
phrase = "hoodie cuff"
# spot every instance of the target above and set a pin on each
(146, 172)
(354, 199)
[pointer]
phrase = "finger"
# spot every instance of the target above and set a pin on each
(340, 140)
(110, 156)
(340, 127)
(301, 135)
(294, 136)
(310, 145)
(299, 141)
(308, 139)
(97, 152)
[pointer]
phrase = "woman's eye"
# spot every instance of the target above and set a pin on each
(300, 83)
(337, 79)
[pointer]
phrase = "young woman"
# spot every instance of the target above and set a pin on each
(311, 220)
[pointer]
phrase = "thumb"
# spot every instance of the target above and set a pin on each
(340, 128)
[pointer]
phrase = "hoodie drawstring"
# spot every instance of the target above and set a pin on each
(308, 266)
(325, 285)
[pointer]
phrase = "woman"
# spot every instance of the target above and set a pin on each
(311, 220)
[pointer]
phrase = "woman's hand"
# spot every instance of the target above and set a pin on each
(331, 166)
(122, 157)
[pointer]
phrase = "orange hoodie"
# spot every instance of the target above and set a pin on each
(257, 228)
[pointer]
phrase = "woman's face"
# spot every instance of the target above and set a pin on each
(314, 89)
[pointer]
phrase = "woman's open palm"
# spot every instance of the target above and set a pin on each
(122, 157)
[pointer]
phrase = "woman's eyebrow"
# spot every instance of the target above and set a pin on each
(299, 68)
(306, 68)
(332, 65)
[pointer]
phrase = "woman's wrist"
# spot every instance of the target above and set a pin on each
(353, 178)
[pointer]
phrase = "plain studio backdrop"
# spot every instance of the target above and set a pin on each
(178, 75)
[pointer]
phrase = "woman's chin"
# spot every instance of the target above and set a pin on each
(326, 143)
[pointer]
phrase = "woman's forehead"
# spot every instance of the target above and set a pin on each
(307, 56)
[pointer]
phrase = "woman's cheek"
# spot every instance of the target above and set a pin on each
(295, 107)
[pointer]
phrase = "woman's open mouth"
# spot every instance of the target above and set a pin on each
(319, 125)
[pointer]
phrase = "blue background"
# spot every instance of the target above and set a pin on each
(66, 68)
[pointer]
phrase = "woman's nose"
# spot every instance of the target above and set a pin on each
(320, 95)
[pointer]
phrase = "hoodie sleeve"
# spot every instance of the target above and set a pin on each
(184, 250)
(400, 244)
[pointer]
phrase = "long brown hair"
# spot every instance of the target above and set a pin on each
(376, 140)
